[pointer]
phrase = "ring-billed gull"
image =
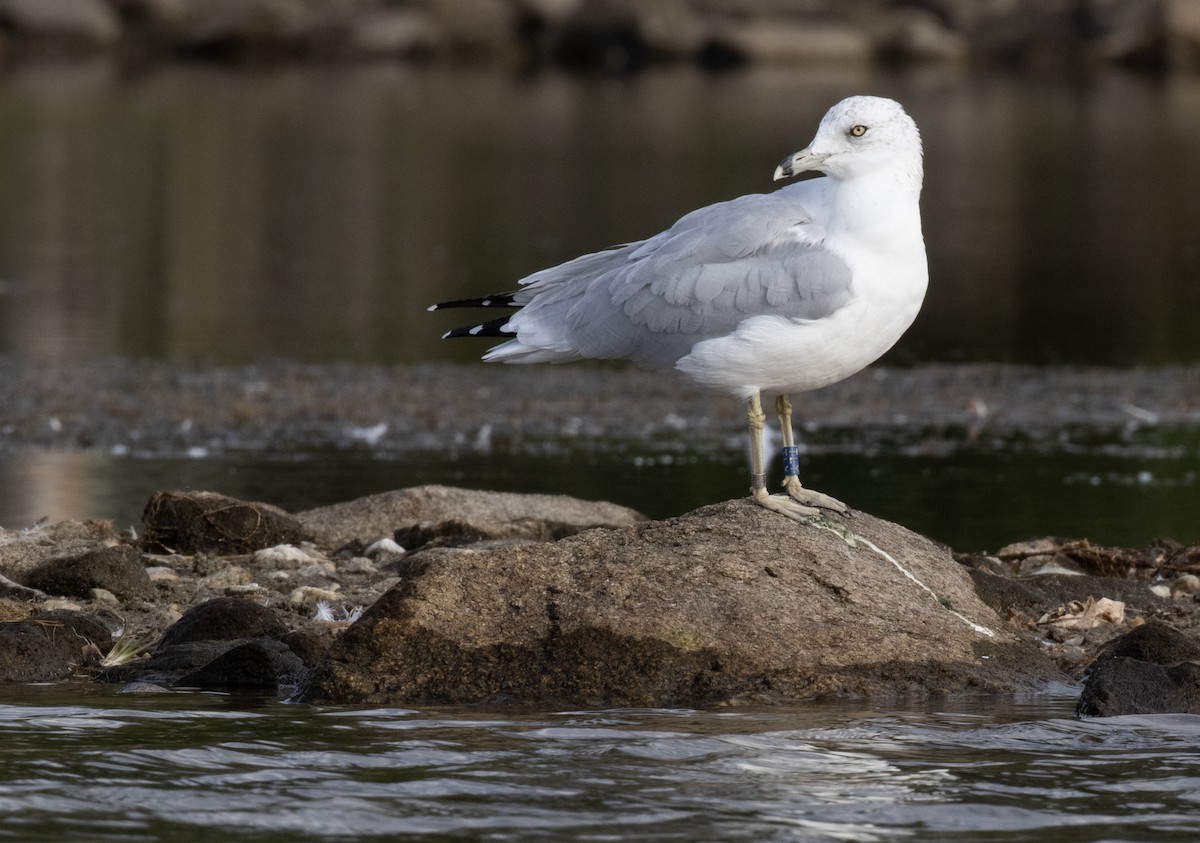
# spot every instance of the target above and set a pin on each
(764, 295)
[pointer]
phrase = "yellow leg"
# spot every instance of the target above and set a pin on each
(756, 418)
(791, 476)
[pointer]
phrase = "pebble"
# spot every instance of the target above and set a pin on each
(103, 595)
(311, 594)
(225, 578)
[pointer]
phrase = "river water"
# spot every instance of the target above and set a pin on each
(95, 765)
(198, 215)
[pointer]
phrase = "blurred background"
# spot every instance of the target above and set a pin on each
(220, 182)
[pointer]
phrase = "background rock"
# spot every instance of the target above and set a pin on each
(116, 569)
(223, 619)
(205, 522)
(730, 602)
(421, 514)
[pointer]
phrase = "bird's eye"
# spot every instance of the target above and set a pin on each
(858, 131)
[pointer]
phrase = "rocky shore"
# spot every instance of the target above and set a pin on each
(438, 595)
(617, 35)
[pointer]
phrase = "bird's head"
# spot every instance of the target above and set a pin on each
(861, 135)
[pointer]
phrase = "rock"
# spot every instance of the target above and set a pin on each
(118, 569)
(23, 550)
(807, 42)
(730, 602)
(13, 590)
(419, 515)
(402, 33)
(1182, 27)
(309, 644)
(223, 619)
(205, 522)
(1129, 686)
(260, 664)
(1150, 670)
(50, 646)
(72, 23)
(167, 664)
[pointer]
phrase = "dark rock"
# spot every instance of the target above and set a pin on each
(223, 619)
(118, 569)
(1128, 686)
(84, 626)
(1149, 670)
(310, 645)
(167, 664)
(41, 651)
(730, 602)
(205, 522)
(1151, 642)
(258, 664)
(459, 516)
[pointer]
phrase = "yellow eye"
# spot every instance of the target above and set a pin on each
(858, 131)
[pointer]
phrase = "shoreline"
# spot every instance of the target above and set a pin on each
(119, 405)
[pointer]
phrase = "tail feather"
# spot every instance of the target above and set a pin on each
(494, 328)
(497, 300)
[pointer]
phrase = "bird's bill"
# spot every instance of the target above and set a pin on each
(802, 161)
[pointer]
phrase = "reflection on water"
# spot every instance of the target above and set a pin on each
(973, 499)
(93, 765)
(313, 213)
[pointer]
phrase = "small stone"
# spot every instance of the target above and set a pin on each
(285, 556)
(357, 565)
(384, 547)
(319, 569)
(161, 573)
(310, 594)
(1187, 584)
(225, 578)
(103, 595)
(249, 591)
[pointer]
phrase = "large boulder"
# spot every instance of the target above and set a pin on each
(422, 514)
(728, 603)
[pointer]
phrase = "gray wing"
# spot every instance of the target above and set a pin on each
(653, 300)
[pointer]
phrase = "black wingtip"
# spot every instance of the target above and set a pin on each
(497, 300)
(494, 328)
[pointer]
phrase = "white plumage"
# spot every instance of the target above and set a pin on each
(764, 294)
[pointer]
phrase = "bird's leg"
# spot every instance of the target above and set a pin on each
(756, 418)
(791, 464)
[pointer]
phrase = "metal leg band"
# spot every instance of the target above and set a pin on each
(758, 481)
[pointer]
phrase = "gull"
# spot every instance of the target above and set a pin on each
(761, 296)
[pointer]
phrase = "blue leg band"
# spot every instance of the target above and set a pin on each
(791, 461)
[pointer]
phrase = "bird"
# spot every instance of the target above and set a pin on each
(761, 296)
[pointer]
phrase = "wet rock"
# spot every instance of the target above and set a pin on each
(116, 569)
(13, 590)
(310, 644)
(50, 646)
(167, 664)
(417, 516)
(205, 522)
(260, 664)
(84, 626)
(1151, 670)
(224, 619)
(730, 602)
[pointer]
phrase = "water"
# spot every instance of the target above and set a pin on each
(94, 765)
